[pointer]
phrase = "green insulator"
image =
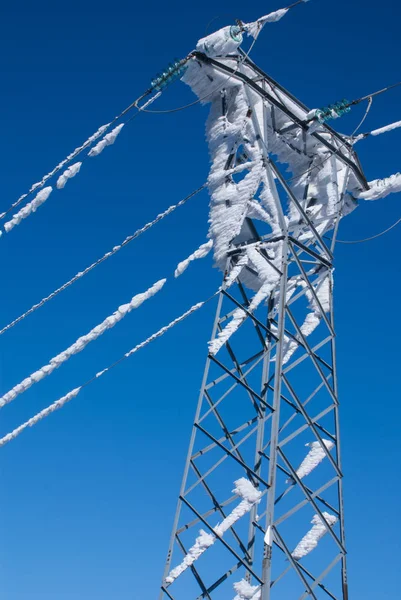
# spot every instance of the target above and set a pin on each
(236, 34)
(173, 71)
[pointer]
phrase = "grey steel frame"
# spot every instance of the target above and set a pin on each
(275, 411)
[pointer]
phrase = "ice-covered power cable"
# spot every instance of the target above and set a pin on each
(105, 256)
(69, 173)
(96, 331)
(108, 139)
(73, 393)
(376, 132)
(81, 343)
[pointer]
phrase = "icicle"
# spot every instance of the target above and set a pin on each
(30, 208)
(68, 174)
(201, 252)
(108, 140)
(311, 539)
(250, 496)
(81, 343)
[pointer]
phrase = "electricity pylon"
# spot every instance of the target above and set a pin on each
(269, 397)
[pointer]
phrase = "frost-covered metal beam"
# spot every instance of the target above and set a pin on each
(270, 374)
(236, 74)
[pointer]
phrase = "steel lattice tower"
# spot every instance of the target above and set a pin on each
(260, 403)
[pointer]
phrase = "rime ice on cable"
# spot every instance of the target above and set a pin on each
(108, 140)
(64, 162)
(201, 252)
(380, 188)
(99, 261)
(81, 343)
(376, 132)
(41, 415)
(68, 174)
(386, 128)
(73, 393)
(255, 28)
(30, 208)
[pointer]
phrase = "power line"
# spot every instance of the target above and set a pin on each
(379, 131)
(373, 237)
(106, 256)
(73, 393)
(377, 93)
(357, 128)
(101, 131)
(81, 342)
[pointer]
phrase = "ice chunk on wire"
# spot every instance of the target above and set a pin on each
(56, 169)
(68, 174)
(30, 208)
(97, 262)
(81, 343)
(108, 140)
(41, 415)
(62, 401)
(201, 252)
(256, 27)
(386, 129)
(253, 29)
(380, 188)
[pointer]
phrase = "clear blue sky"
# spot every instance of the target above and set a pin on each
(74, 519)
